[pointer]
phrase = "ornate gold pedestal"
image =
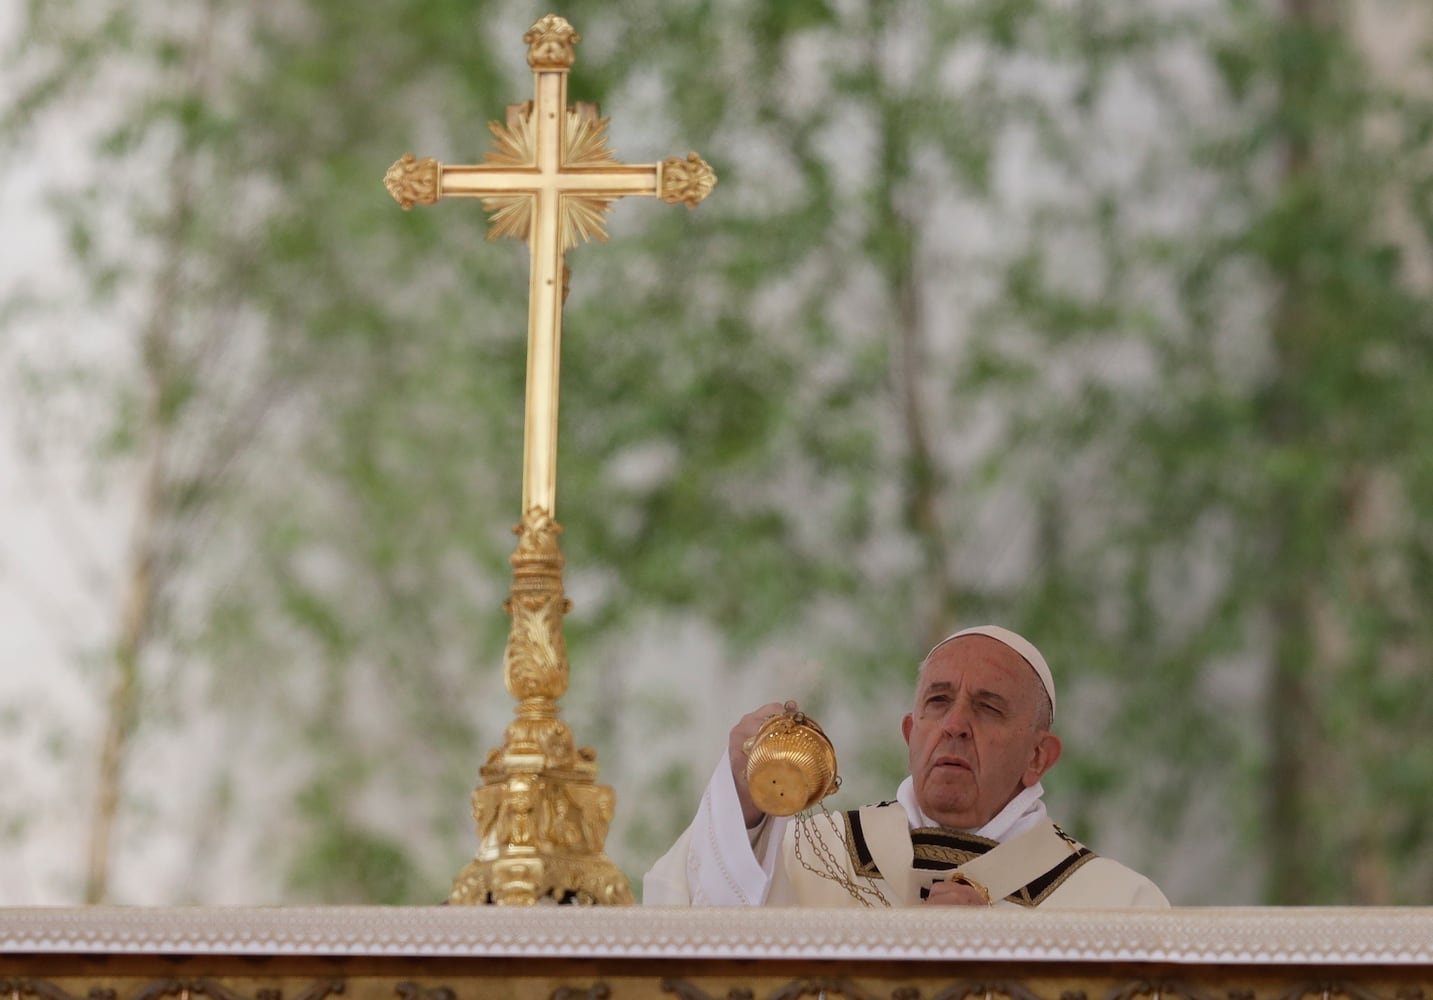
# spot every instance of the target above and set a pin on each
(542, 819)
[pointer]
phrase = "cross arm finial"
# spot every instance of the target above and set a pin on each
(412, 181)
(685, 181)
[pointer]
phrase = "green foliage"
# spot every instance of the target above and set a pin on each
(340, 863)
(1086, 318)
(1258, 490)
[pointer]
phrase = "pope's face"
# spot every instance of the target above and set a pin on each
(974, 735)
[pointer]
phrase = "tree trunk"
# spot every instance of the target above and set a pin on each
(161, 374)
(1291, 837)
(895, 255)
(123, 706)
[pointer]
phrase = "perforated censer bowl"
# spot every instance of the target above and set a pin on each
(790, 765)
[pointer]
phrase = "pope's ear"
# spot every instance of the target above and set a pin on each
(906, 723)
(1047, 752)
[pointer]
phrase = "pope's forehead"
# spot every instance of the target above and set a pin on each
(979, 657)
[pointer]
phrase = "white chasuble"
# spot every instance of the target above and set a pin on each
(1028, 862)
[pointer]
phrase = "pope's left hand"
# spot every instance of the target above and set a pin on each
(955, 894)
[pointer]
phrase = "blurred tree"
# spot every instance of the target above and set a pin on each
(252, 367)
(178, 417)
(1234, 490)
(1083, 319)
(721, 473)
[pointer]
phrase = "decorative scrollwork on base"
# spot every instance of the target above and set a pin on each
(1163, 989)
(597, 991)
(211, 989)
(823, 987)
(1326, 990)
(684, 990)
(1010, 990)
(535, 661)
(409, 990)
(14, 989)
(985, 991)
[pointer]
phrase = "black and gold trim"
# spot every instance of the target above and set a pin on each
(937, 849)
(1034, 893)
(863, 864)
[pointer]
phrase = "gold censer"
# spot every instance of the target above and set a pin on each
(790, 764)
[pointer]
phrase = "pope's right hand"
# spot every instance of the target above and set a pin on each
(744, 730)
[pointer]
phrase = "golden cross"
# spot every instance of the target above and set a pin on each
(549, 180)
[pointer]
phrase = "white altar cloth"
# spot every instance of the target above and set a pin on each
(1248, 935)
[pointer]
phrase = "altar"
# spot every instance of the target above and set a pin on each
(617, 953)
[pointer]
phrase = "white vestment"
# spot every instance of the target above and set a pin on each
(1027, 860)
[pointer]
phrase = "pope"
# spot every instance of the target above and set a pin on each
(967, 827)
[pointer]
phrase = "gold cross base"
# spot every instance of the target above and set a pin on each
(546, 851)
(542, 818)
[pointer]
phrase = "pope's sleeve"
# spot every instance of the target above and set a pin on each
(1147, 896)
(716, 862)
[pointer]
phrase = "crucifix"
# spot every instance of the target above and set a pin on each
(549, 180)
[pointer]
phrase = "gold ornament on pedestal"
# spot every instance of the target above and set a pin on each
(549, 180)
